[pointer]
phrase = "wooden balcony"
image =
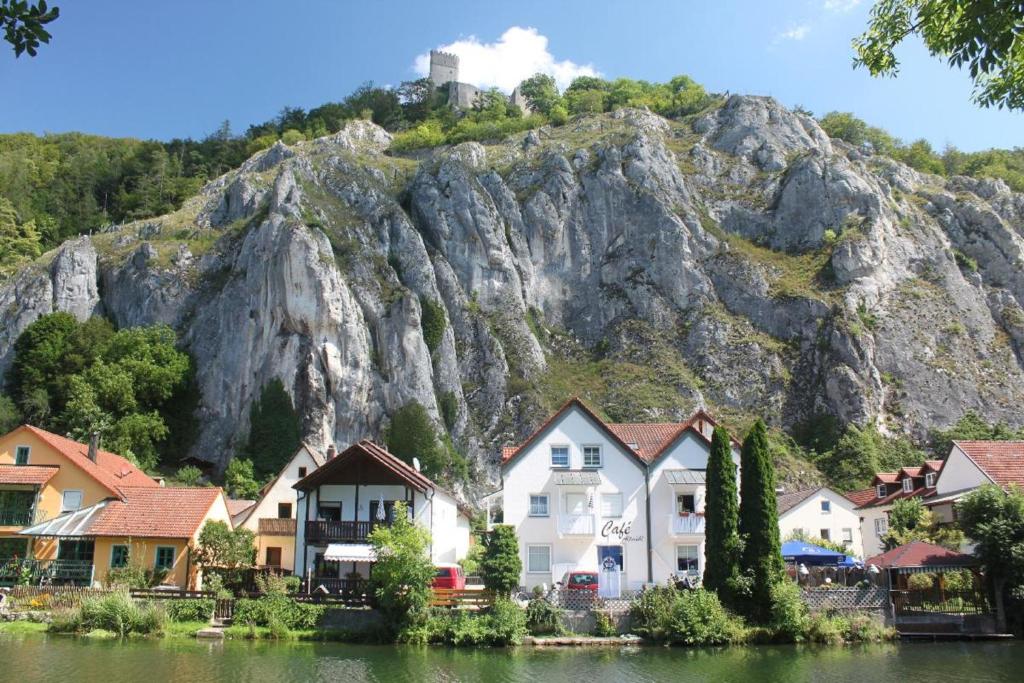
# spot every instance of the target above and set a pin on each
(272, 526)
(338, 532)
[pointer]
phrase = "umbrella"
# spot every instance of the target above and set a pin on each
(801, 552)
(381, 513)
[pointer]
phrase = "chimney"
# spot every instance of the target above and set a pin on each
(94, 445)
(331, 452)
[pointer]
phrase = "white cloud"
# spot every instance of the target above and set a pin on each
(518, 54)
(796, 33)
(840, 5)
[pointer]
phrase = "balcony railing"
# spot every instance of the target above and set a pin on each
(690, 523)
(576, 525)
(341, 532)
(17, 517)
(46, 572)
(272, 526)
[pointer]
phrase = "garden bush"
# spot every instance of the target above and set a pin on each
(200, 609)
(278, 611)
(542, 617)
(503, 624)
(604, 626)
(652, 613)
(117, 613)
(789, 613)
(698, 618)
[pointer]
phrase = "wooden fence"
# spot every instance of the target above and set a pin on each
(51, 597)
(461, 598)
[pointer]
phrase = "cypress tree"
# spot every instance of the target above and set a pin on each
(761, 559)
(721, 510)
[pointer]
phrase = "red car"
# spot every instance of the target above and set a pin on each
(449, 576)
(580, 581)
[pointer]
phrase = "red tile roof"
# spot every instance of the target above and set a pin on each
(27, 474)
(651, 439)
(912, 471)
(239, 505)
(155, 512)
(1001, 461)
(920, 554)
(859, 498)
(892, 497)
(886, 477)
(110, 470)
(788, 501)
(934, 465)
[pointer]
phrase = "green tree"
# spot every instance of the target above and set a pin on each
(221, 547)
(501, 566)
(861, 452)
(19, 242)
(275, 429)
(189, 475)
(411, 433)
(541, 93)
(403, 570)
(994, 520)
(721, 512)
(985, 36)
(761, 559)
(239, 479)
(433, 321)
(9, 415)
(970, 427)
(23, 23)
(910, 520)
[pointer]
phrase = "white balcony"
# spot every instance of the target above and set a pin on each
(688, 524)
(576, 525)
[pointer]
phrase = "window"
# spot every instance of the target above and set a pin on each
(881, 526)
(81, 551)
(929, 480)
(825, 535)
(908, 484)
(576, 504)
(21, 455)
(880, 490)
(826, 507)
(538, 559)
(72, 500)
(847, 536)
(302, 472)
(591, 456)
(559, 456)
(118, 556)
(611, 504)
(687, 559)
(539, 505)
(284, 510)
(686, 503)
(164, 557)
(273, 557)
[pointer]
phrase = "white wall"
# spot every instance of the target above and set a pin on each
(871, 540)
(621, 472)
(809, 517)
(281, 491)
(959, 473)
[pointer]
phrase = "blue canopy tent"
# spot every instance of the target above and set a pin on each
(800, 552)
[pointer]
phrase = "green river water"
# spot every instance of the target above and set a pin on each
(28, 658)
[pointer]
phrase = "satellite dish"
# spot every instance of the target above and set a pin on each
(416, 463)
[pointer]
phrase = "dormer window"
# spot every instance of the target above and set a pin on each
(559, 456)
(21, 455)
(929, 480)
(908, 485)
(880, 490)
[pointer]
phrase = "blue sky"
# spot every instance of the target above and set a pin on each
(175, 69)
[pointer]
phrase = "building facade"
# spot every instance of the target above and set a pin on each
(583, 494)
(821, 513)
(341, 502)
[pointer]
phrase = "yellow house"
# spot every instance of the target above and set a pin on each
(272, 518)
(75, 511)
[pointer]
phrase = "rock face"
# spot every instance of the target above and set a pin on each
(742, 261)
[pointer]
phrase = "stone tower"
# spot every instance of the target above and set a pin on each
(444, 68)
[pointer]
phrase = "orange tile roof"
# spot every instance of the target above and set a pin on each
(859, 498)
(155, 512)
(27, 474)
(238, 505)
(1001, 461)
(933, 465)
(110, 469)
(920, 554)
(912, 471)
(650, 438)
(887, 477)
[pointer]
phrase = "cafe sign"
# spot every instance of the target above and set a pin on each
(620, 531)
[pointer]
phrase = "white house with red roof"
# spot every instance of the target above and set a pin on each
(886, 489)
(972, 464)
(821, 513)
(584, 494)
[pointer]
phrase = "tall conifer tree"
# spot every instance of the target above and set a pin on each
(721, 511)
(761, 559)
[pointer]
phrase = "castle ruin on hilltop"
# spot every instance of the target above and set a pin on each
(444, 70)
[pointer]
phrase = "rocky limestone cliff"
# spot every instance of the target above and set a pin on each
(740, 260)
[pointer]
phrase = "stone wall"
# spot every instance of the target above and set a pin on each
(353, 620)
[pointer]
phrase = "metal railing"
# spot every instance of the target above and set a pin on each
(17, 517)
(934, 601)
(576, 525)
(46, 572)
(690, 523)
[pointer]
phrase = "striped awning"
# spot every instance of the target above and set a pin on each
(577, 478)
(75, 524)
(685, 476)
(350, 552)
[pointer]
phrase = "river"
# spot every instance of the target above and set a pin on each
(29, 658)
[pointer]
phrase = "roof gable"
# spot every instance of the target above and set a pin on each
(787, 501)
(366, 449)
(1000, 461)
(112, 471)
(304, 453)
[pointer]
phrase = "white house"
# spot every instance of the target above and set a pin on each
(585, 494)
(272, 517)
(886, 489)
(341, 502)
(971, 464)
(821, 513)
